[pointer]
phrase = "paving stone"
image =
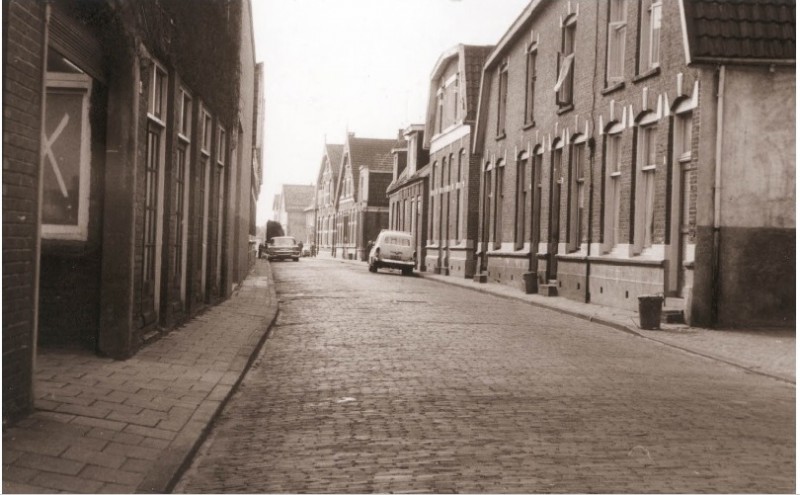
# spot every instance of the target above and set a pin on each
(111, 475)
(144, 418)
(85, 411)
(413, 385)
(105, 424)
(36, 442)
(18, 474)
(136, 465)
(163, 434)
(117, 407)
(117, 488)
(15, 487)
(68, 483)
(50, 464)
(94, 457)
(154, 443)
(132, 451)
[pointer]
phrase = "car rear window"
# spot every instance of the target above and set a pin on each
(398, 241)
(284, 241)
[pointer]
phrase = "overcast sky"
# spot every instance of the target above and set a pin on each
(362, 65)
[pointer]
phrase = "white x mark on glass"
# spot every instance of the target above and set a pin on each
(48, 150)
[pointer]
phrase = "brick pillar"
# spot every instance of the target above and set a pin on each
(119, 233)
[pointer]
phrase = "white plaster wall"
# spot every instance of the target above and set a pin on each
(758, 148)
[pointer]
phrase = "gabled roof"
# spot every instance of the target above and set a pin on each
(333, 154)
(296, 196)
(740, 31)
(470, 59)
(375, 154)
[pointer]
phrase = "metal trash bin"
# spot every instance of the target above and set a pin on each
(650, 312)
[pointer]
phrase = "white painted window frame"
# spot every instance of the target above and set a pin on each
(617, 31)
(82, 84)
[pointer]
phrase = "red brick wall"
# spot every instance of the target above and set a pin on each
(23, 27)
(591, 102)
(378, 182)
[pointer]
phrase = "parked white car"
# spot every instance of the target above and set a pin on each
(393, 249)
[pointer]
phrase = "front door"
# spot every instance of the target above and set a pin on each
(556, 181)
(536, 207)
(682, 228)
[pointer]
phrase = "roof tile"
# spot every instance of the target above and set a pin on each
(742, 29)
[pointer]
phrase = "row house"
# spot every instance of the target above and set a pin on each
(325, 198)
(408, 191)
(643, 147)
(454, 170)
(289, 209)
(361, 205)
(310, 212)
(127, 177)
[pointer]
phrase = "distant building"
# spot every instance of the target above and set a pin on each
(362, 207)
(660, 162)
(325, 198)
(289, 209)
(128, 172)
(408, 191)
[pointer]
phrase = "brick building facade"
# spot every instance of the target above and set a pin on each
(290, 205)
(325, 198)
(596, 138)
(408, 191)
(144, 217)
(454, 170)
(362, 207)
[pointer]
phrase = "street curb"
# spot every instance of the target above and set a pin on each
(174, 462)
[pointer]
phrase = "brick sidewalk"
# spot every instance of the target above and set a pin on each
(105, 426)
(767, 351)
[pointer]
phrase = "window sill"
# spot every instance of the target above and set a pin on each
(565, 108)
(614, 87)
(528, 126)
(500, 136)
(646, 75)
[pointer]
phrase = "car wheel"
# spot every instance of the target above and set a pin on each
(296, 259)
(406, 271)
(372, 267)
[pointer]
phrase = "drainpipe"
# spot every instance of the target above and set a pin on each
(715, 252)
(587, 295)
(591, 145)
(37, 263)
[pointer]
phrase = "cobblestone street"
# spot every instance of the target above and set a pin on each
(384, 383)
